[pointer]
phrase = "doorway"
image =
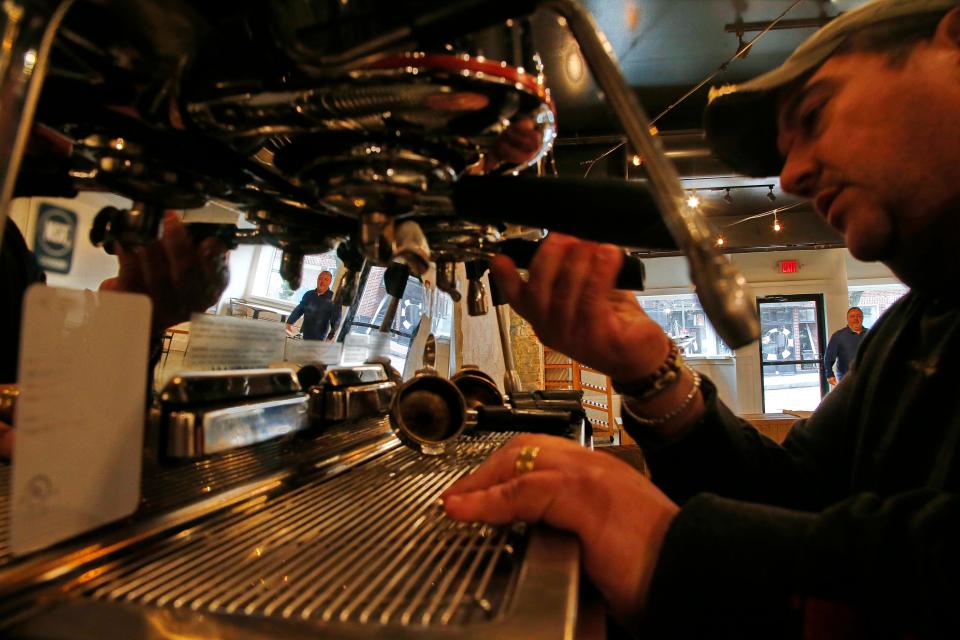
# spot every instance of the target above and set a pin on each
(792, 341)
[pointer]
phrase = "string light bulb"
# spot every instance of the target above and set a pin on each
(636, 161)
(693, 201)
(720, 241)
(777, 227)
(771, 196)
(728, 198)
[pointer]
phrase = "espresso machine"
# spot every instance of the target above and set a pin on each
(280, 503)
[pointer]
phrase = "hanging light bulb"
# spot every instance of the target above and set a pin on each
(728, 198)
(771, 196)
(720, 241)
(636, 160)
(693, 201)
(776, 223)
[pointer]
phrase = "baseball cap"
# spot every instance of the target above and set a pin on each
(741, 119)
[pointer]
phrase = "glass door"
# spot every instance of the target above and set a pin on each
(791, 352)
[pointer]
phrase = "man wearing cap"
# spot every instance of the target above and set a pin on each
(850, 527)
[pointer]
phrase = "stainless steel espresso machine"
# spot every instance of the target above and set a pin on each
(294, 504)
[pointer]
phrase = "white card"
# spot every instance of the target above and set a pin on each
(312, 351)
(80, 415)
(224, 342)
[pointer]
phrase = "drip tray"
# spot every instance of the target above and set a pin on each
(368, 553)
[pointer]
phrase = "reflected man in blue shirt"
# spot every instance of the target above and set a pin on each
(843, 345)
(321, 315)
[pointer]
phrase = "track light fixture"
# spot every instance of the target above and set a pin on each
(727, 197)
(771, 196)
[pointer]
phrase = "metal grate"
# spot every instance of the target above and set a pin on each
(166, 488)
(370, 546)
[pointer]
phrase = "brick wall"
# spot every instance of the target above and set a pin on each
(527, 352)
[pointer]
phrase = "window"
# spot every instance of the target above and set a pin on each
(684, 320)
(373, 305)
(268, 284)
(874, 299)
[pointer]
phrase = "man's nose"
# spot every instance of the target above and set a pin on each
(800, 172)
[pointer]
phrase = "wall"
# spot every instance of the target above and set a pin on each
(527, 352)
(872, 272)
(92, 265)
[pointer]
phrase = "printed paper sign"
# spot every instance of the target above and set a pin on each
(312, 352)
(225, 342)
(356, 348)
(80, 416)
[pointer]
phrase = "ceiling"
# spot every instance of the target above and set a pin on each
(665, 48)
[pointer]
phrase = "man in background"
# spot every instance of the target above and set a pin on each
(843, 345)
(321, 315)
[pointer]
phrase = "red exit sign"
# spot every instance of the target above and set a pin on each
(788, 266)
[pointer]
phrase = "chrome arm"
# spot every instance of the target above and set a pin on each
(720, 286)
(28, 28)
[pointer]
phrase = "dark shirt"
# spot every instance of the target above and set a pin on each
(842, 349)
(320, 314)
(18, 270)
(859, 510)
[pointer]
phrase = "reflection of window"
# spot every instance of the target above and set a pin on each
(684, 320)
(373, 306)
(874, 299)
(268, 284)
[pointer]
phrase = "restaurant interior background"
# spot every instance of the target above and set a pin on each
(795, 264)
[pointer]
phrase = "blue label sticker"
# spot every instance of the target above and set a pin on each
(55, 237)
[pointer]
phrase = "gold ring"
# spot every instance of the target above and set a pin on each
(524, 462)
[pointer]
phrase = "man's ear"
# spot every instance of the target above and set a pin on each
(948, 31)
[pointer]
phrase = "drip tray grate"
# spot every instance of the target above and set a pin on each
(371, 546)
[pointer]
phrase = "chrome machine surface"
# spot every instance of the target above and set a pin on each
(327, 123)
(352, 546)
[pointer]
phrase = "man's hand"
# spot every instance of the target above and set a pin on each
(832, 380)
(179, 276)
(620, 517)
(291, 330)
(573, 306)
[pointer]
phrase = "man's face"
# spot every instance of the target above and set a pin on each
(875, 147)
(855, 319)
(323, 281)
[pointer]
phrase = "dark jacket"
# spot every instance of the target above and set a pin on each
(18, 270)
(320, 314)
(858, 513)
(842, 349)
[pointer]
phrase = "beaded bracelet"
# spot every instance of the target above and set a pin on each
(673, 413)
(658, 381)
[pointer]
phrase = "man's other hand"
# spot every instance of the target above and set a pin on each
(179, 276)
(832, 380)
(573, 306)
(620, 517)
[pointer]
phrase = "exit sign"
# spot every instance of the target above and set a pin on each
(788, 266)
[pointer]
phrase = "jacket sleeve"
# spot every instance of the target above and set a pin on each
(769, 537)
(298, 310)
(879, 567)
(830, 357)
(725, 455)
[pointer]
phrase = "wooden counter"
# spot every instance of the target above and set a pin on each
(773, 425)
